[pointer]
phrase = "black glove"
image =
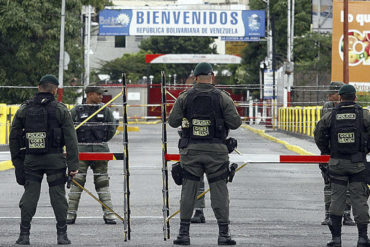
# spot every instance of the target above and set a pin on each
(19, 175)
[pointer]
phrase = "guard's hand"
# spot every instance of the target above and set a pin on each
(73, 173)
(19, 175)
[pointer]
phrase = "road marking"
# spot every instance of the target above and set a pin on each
(84, 217)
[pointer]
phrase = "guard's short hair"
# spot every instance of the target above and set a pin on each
(48, 86)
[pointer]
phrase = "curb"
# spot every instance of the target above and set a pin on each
(290, 147)
(6, 165)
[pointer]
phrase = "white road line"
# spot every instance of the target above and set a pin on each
(84, 217)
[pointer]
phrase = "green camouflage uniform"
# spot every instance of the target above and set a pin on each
(99, 167)
(209, 158)
(50, 163)
(339, 170)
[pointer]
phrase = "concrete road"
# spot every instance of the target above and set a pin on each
(271, 204)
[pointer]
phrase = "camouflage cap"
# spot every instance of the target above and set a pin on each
(335, 85)
(49, 79)
(347, 89)
(203, 69)
(95, 87)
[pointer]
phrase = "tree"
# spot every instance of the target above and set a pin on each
(178, 45)
(255, 52)
(29, 44)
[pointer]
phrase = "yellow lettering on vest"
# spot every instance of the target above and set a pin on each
(201, 122)
(346, 137)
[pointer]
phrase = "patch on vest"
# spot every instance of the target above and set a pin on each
(200, 130)
(36, 140)
(201, 122)
(185, 123)
(345, 116)
(346, 137)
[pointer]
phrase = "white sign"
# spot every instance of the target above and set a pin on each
(133, 96)
(192, 58)
(175, 22)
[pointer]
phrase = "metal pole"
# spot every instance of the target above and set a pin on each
(61, 52)
(289, 29)
(345, 43)
(126, 170)
(166, 212)
(88, 45)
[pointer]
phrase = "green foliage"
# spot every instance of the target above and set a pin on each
(255, 52)
(133, 65)
(178, 45)
(318, 56)
(29, 44)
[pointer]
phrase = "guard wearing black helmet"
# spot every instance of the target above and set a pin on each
(205, 115)
(40, 129)
(344, 134)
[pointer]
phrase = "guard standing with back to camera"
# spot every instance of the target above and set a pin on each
(205, 115)
(344, 134)
(93, 137)
(324, 167)
(40, 129)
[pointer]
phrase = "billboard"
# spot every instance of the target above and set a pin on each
(358, 42)
(175, 22)
(322, 15)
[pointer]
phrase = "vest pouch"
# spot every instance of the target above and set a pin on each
(347, 140)
(36, 134)
(183, 142)
(99, 133)
(57, 138)
(201, 128)
(220, 129)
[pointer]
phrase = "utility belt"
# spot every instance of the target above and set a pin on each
(184, 142)
(357, 157)
(179, 173)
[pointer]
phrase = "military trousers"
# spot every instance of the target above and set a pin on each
(327, 193)
(200, 203)
(31, 195)
(214, 165)
(345, 175)
(101, 182)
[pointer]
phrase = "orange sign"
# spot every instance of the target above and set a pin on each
(358, 41)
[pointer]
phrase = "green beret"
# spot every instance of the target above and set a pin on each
(347, 89)
(335, 85)
(203, 69)
(94, 87)
(50, 79)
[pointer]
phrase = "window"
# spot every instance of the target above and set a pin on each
(120, 41)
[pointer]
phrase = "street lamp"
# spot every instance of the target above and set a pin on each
(169, 80)
(151, 77)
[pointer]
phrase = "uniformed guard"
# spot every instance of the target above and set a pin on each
(40, 129)
(93, 137)
(344, 134)
(333, 100)
(205, 115)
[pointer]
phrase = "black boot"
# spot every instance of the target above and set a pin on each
(335, 226)
(347, 221)
(62, 237)
(198, 217)
(224, 237)
(326, 220)
(183, 237)
(24, 235)
(363, 240)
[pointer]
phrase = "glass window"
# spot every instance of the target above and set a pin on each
(120, 41)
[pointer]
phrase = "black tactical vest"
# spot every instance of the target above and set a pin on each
(94, 130)
(346, 130)
(42, 130)
(203, 118)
